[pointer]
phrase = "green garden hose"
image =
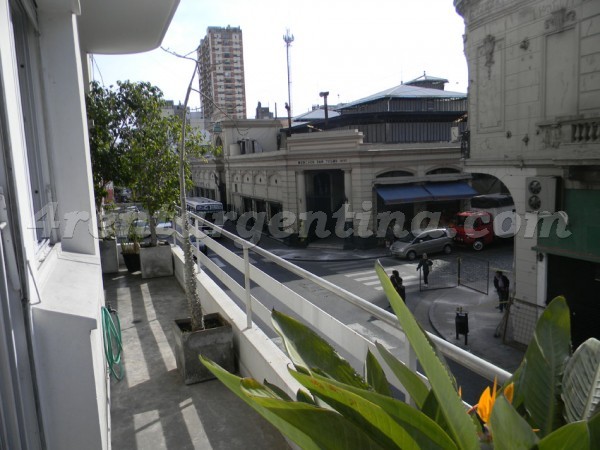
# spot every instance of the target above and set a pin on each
(113, 346)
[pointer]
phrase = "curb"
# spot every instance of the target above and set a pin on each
(431, 315)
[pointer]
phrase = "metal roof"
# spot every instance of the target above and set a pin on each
(406, 91)
(315, 114)
(426, 77)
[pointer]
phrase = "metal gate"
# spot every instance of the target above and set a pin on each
(474, 273)
(443, 274)
(449, 272)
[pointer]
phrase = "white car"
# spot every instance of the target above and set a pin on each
(164, 230)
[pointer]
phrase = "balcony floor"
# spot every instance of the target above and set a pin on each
(151, 408)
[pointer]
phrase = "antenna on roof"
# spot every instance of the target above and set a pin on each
(288, 39)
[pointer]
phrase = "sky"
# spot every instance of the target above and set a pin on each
(351, 49)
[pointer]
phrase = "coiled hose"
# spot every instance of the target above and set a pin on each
(113, 346)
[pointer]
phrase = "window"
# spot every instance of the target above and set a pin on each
(27, 54)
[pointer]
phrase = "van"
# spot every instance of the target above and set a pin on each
(491, 216)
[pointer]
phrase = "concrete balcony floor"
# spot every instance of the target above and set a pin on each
(151, 408)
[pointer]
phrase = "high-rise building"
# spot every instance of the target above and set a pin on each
(221, 74)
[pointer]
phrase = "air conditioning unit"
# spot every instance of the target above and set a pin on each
(540, 194)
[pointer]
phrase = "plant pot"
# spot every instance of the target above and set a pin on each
(132, 261)
(109, 257)
(215, 342)
(156, 261)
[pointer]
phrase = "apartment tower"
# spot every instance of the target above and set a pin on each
(221, 74)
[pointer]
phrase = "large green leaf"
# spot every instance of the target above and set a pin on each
(233, 382)
(307, 349)
(594, 428)
(581, 382)
(413, 384)
(459, 424)
(376, 377)
(546, 357)
(384, 418)
(308, 426)
(517, 380)
(326, 428)
(431, 408)
(509, 430)
(573, 435)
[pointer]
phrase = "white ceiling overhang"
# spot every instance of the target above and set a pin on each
(122, 26)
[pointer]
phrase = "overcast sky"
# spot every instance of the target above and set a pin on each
(351, 49)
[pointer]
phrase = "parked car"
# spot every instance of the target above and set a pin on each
(164, 230)
(490, 217)
(427, 241)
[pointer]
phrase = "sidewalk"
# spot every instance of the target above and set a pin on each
(485, 329)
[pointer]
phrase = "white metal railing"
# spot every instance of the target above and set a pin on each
(346, 338)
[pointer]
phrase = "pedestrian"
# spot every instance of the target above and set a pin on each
(501, 283)
(396, 280)
(425, 264)
(389, 236)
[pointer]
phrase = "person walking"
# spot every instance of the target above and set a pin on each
(425, 264)
(501, 284)
(396, 280)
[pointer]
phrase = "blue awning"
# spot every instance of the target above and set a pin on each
(403, 193)
(455, 190)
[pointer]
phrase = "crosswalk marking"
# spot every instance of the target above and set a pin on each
(371, 279)
(352, 274)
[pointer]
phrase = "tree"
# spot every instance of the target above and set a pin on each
(116, 116)
(133, 144)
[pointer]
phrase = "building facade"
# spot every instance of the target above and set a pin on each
(329, 176)
(54, 388)
(221, 74)
(534, 109)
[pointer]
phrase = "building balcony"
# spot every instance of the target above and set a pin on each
(151, 407)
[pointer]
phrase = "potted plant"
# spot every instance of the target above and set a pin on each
(151, 153)
(116, 118)
(198, 334)
(130, 249)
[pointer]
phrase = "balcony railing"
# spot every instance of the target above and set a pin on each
(582, 131)
(348, 341)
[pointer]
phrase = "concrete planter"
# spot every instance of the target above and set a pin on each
(156, 261)
(109, 256)
(215, 342)
(132, 261)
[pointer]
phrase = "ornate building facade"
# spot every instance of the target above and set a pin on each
(534, 110)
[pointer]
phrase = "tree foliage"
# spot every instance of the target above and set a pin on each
(133, 144)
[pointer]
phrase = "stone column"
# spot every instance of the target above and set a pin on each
(301, 200)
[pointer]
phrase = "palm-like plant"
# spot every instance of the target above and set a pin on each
(555, 393)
